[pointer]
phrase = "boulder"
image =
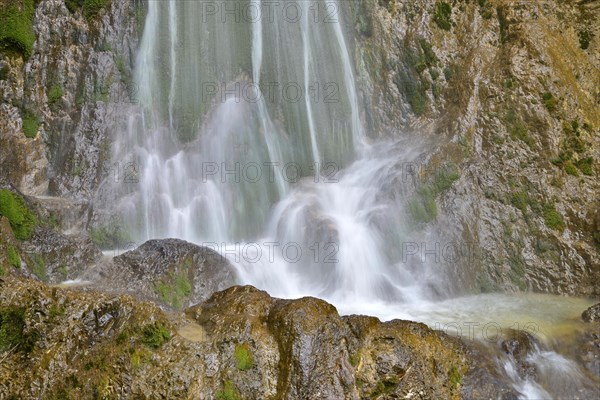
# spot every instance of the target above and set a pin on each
(55, 257)
(592, 314)
(74, 343)
(172, 272)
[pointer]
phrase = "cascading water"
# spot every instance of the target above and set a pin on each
(248, 138)
(246, 123)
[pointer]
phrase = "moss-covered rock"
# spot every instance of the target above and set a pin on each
(21, 219)
(16, 26)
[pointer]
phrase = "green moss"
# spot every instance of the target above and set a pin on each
(552, 218)
(228, 392)
(549, 101)
(517, 270)
(101, 91)
(384, 386)
(80, 97)
(63, 271)
(429, 57)
(505, 34)
(56, 311)
(14, 258)
(454, 377)
(174, 288)
(30, 124)
(243, 358)
(141, 10)
(443, 15)
(110, 236)
(13, 335)
(90, 8)
(422, 208)
(485, 9)
(139, 357)
(585, 37)
(39, 268)
(363, 20)
(517, 128)
(585, 165)
(16, 26)
(154, 336)
(409, 85)
(570, 168)
(355, 359)
(572, 157)
(21, 219)
(445, 177)
(4, 73)
(123, 70)
(54, 94)
(520, 200)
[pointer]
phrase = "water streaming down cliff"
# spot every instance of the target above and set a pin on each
(248, 138)
(250, 132)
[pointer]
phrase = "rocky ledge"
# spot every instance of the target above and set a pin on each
(239, 344)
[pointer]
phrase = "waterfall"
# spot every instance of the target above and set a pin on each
(248, 139)
(249, 136)
(226, 95)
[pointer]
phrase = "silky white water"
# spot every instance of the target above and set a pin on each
(248, 139)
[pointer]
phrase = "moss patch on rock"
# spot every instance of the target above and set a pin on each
(443, 15)
(90, 8)
(423, 208)
(13, 334)
(21, 219)
(30, 124)
(14, 259)
(243, 357)
(16, 26)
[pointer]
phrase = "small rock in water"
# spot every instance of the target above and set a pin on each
(592, 314)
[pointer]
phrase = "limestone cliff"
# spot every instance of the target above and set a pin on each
(508, 90)
(59, 101)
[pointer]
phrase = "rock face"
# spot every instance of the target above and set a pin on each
(55, 257)
(81, 344)
(508, 93)
(170, 271)
(68, 95)
(44, 252)
(592, 314)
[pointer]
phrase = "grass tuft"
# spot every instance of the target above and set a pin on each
(154, 336)
(16, 27)
(21, 219)
(243, 358)
(443, 15)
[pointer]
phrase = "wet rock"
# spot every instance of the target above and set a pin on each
(476, 90)
(171, 271)
(67, 95)
(518, 345)
(485, 380)
(592, 314)
(54, 257)
(303, 349)
(84, 343)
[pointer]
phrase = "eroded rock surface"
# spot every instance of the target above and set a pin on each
(173, 272)
(83, 344)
